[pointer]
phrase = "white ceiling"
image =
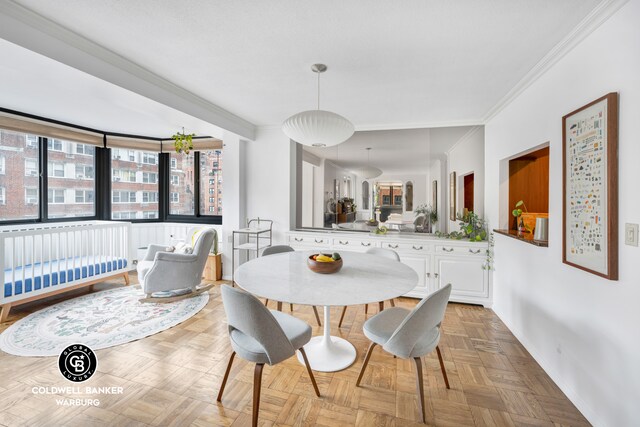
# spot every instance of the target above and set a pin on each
(407, 151)
(38, 85)
(417, 63)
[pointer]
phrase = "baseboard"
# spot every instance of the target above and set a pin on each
(589, 413)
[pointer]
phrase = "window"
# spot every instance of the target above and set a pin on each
(386, 199)
(85, 149)
(14, 180)
(84, 196)
(149, 158)
(149, 197)
(182, 196)
(127, 183)
(31, 141)
(56, 170)
(56, 196)
(124, 197)
(31, 167)
(31, 196)
(123, 215)
(149, 177)
(397, 200)
(75, 196)
(175, 180)
(84, 172)
(54, 144)
(210, 168)
(3, 200)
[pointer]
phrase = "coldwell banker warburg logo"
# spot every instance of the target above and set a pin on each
(77, 363)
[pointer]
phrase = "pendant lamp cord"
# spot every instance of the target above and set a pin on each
(318, 91)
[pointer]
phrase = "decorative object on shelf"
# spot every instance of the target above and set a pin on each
(325, 263)
(541, 230)
(318, 128)
(472, 227)
(517, 213)
(452, 196)
(183, 143)
(590, 187)
(380, 229)
(368, 171)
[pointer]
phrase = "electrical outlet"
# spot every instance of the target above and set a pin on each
(631, 234)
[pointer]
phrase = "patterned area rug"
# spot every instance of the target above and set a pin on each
(98, 320)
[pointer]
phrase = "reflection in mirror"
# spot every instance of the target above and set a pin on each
(389, 199)
(408, 197)
(365, 195)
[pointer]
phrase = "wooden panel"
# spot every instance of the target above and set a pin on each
(529, 181)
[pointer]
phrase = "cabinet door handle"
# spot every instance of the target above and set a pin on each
(392, 246)
(365, 244)
(417, 248)
(477, 251)
(436, 275)
(318, 241)
(447, 250)
(298, 239)
(343, 243)
(428, 274)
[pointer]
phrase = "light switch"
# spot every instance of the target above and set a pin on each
(631, 234)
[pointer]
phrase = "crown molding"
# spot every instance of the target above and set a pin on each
(23, 27)
(591, 22)
(471, 132)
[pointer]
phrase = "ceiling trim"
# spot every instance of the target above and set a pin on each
(471, 132)
(23, 27)
(591, 22)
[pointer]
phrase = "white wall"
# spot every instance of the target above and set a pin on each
(465, 157)
(582, 329)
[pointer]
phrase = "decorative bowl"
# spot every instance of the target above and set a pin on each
(324, 267)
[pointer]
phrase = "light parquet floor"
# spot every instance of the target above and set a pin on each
(172, 378)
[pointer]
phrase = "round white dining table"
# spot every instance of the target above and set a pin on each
(363, 279)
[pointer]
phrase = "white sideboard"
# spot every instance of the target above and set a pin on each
(437, 261)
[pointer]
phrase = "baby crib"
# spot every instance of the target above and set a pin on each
(41, 260)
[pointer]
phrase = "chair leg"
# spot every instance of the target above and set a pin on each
(392, 302)
(266, 302)
(313, 379)
(344, 310)
(4, 312)
(366, 362)
(315, 311)
(420, 385)
(279, 306)
(380, 306)
(127, 281)
(226, 376)
(257, 383)
(444, 371)
(291, 307)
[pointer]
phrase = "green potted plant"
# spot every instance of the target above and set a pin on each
(183, 143)
(517, 213)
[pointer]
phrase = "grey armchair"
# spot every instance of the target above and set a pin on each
(167, 271)
(280, 249)
(387, 253)
(260, 335)
(410, 334)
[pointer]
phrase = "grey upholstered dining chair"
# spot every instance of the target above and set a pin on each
(260, 335)
(410, 334)
(387, 253)
(279, 249)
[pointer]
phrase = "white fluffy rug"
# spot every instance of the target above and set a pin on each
(98, 320)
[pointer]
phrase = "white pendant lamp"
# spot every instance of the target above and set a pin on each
(367, 172)
(318, 128)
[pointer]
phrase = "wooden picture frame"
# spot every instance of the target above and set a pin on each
(590, 187)
(452, 196)
(434, 196)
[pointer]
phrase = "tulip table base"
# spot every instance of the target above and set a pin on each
(327, 353)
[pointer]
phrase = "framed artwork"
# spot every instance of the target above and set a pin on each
(434, 196)
(590, 187)
(452, 196)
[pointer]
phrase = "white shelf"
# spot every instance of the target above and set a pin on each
(251, 246)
